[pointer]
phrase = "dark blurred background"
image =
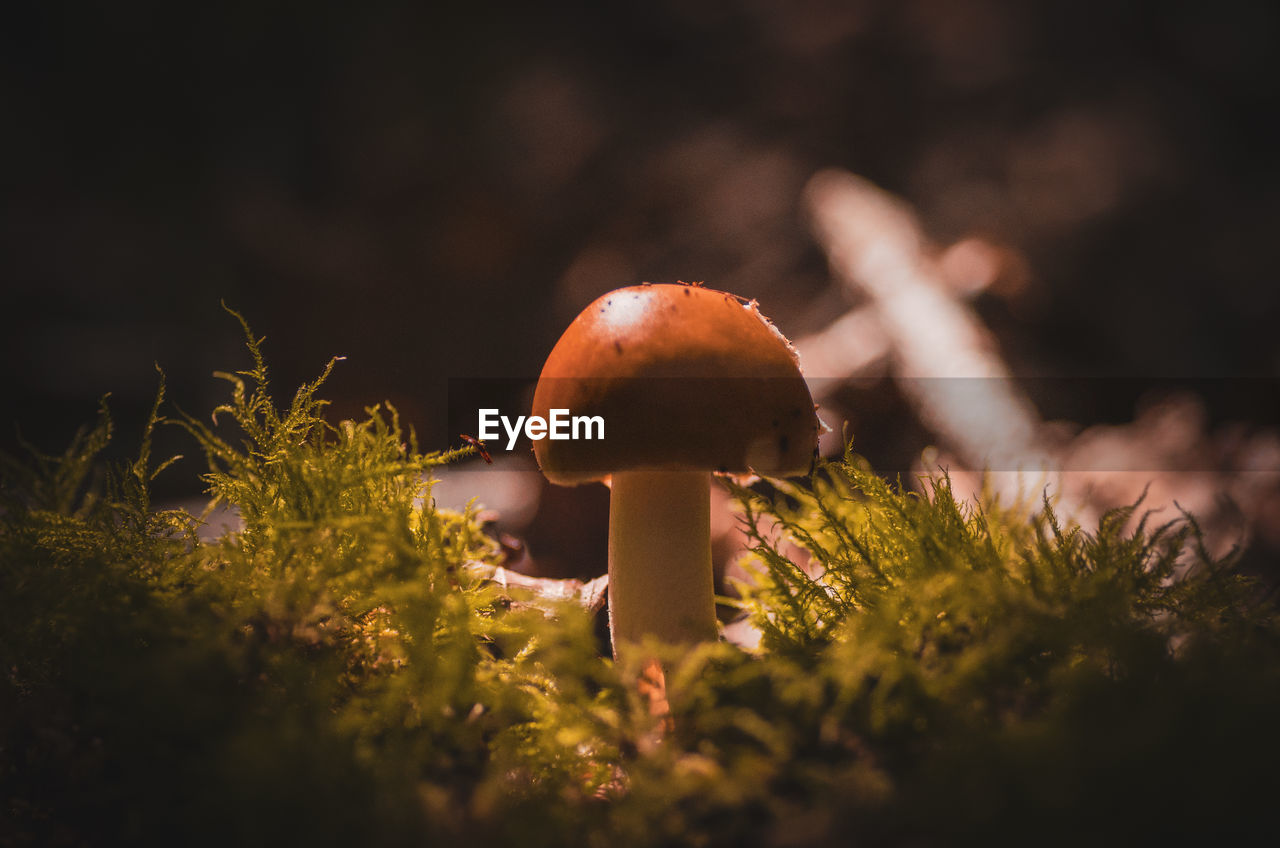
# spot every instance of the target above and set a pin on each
(435, 190)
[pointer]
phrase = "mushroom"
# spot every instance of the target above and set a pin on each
(688, 381)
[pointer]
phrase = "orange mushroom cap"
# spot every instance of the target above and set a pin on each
(685, 378)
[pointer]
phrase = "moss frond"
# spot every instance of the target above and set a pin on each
(333, 668)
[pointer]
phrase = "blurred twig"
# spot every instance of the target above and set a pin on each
(950, 369)
(590, 594)
(944, 358)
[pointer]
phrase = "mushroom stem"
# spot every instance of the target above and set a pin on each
(660, 581)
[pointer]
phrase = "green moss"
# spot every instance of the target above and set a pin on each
(334, 673)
